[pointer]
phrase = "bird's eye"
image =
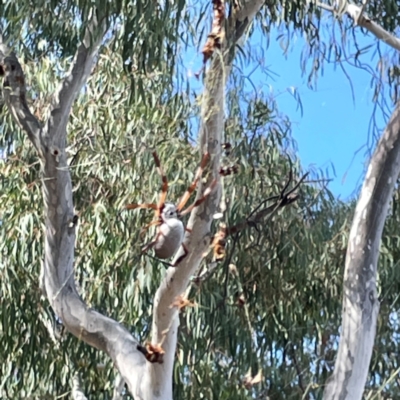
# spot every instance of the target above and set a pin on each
(171, 213)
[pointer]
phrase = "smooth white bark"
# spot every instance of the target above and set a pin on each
(360, 18)
(146, 381)
(360, 300)
(57, 278)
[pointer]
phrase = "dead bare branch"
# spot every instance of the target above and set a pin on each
(257, 215)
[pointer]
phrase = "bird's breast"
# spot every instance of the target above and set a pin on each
(171, 233)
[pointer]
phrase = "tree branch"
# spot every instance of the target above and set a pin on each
(360, 300)
(364, 21)
(293, 355)
(80, 70)
(77, 391)
(119, 385)
(255, 217)
(14, 93)
(165, 319)
(57, 278)
(356, 13)
(249, 9)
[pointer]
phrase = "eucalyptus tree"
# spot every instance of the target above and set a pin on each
(141, 367)
(360, 296)
(279, 283)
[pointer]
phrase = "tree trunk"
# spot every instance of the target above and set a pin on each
(146, 381)
(360, 300)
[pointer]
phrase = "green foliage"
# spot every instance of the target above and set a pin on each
(111, 165)
(273, 304)
(144, 33)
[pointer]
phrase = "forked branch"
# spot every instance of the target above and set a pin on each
(57, 278)
(80, 70)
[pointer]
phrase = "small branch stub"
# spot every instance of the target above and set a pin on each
(154, 353)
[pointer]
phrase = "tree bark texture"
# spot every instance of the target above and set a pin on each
(57, 277)
(360, 300)
(146, 381)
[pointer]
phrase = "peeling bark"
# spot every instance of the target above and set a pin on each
(360, 300)
(176, 281)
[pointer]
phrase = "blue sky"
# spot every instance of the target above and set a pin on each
(333, 133)
(334, 128)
